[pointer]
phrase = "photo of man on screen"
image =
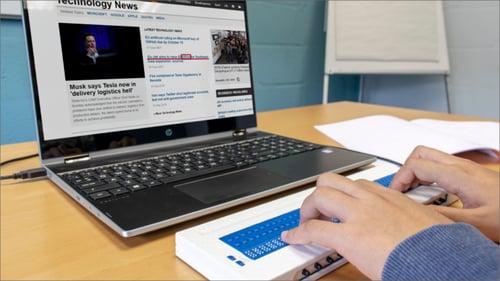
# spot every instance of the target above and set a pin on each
(101, 51)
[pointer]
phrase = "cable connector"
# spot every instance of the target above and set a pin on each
(27, 174)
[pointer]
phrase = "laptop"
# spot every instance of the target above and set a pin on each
(146, 111)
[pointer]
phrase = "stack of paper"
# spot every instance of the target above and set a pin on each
(395, 138)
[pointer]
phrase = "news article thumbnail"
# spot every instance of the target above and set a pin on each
(229, 47)
(101, 51)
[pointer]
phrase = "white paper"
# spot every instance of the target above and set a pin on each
(386, 30)
(395, 138)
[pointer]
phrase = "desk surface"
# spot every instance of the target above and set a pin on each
(46, 235)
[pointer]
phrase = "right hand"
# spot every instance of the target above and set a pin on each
(477, 187)
(91, 51)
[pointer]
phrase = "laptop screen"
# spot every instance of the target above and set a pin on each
(143, 71)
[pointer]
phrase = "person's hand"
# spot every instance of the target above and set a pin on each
(374, 220)
(476, 186)
(91, 51)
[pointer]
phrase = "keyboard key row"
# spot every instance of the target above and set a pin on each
(118, 179)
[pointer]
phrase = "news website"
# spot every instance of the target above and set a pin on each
(120, 65)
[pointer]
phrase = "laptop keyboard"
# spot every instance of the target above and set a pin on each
(115, 180)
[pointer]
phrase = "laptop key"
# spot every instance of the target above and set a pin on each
(101, 187)
(89, 183)
(153, 183)
(100, 195)
(118, 191)
(136, 187)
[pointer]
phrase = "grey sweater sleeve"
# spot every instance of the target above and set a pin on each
(444, 252)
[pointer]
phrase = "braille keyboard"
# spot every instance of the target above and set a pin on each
(264, 238)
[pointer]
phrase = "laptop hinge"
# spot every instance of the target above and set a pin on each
(240, 133)
(76, 158)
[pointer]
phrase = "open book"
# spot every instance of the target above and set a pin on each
(395, 138)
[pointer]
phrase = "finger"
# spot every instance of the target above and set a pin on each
(320, 232)
(424, 152)
(336, 197)
(414, 172)
(359, 189)
(341, 184)
(379, 194)
(425, 171)
(406, 178)
(326, 203)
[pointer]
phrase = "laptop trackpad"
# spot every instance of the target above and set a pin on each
(232, 185)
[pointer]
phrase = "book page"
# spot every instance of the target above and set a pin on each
(395, 138)
(484, 132)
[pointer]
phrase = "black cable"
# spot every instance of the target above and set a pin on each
(390, 161)
(18, 159)
(27, 174)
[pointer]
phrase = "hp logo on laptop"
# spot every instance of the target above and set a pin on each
(169, 132)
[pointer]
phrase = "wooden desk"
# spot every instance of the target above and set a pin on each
(46, 235)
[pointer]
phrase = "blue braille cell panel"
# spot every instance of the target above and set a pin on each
(264, 238)
(385, 181)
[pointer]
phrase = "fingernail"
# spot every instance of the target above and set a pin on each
(284, 234)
